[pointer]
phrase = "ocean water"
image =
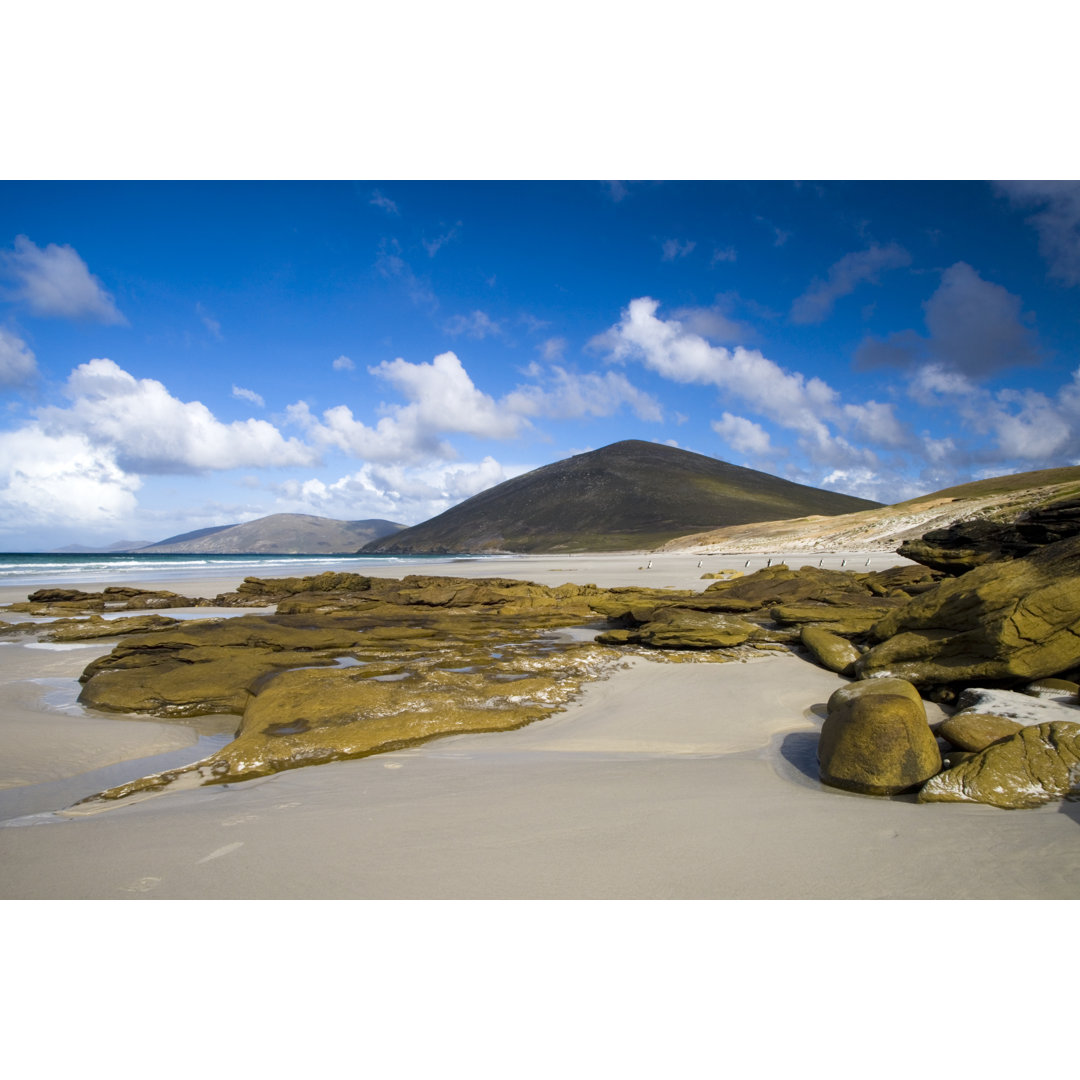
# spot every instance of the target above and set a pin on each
(39, 569)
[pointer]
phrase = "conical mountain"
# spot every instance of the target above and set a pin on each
(627, 496)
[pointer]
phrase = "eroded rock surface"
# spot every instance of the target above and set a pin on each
(1037, 765)
(1007, 622)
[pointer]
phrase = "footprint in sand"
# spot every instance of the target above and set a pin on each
(242, 819)
(144, 884)
(228, 849)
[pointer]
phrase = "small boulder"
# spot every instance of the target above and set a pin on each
(682, 628)
(875, 742)
(1036, 765)
(974, 732)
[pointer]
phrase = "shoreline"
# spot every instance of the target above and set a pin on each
(661, 780)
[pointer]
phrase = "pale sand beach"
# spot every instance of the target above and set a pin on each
(664, 780)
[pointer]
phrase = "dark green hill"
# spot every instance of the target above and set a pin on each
(630, 495)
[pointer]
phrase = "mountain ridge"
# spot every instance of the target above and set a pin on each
(629, 495)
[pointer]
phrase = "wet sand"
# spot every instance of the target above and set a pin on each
(662, 781)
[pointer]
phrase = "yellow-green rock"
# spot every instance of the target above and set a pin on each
(975, 731)
(830, 650)
(877, 744)
(1038, 764)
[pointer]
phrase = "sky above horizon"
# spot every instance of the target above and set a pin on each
(180, 355)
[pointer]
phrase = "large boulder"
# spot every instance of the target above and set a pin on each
(1006, 622)
(1036, 765)
(684, 628)
(877, 742)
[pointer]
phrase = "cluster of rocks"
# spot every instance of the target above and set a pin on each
(346, 665)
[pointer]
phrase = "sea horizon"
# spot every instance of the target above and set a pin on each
(41, 568)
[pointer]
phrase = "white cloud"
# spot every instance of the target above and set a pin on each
(432, 246)
(1057, 221)
(876, 421)
(670, 250)
(845, 275)
(714, 323)
(727, 254)
(477, 325)
(666, 347)
(393, 267)
(743, 435)
(18, 366)
(248, 395)
(570, 395)
(406, 494)
(343, 363)
(382, 202)
(442, 399)
(553, 348)
(147, 430)
(54, 281)
(212, 325)
(60, 479)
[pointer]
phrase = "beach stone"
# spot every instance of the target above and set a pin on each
(1009, 621)
(877, 743)
(975, 732)
(829, 649)
(1038, 764)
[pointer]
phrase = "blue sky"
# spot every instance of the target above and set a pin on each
(178, 355)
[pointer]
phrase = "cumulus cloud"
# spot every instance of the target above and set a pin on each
(60, 479)
(18, 366)
(248, 395)
(343, 363)
(1057, 221)
(844, 276)
(743, 435)
(670, 349)
(147, 430)
(716, 324)
(442, 399)
(670, 250)
(975, 328)
(383, 203)
(570, 395)
(54, 281)
(477, 325)
(407, 494)
(722, 255)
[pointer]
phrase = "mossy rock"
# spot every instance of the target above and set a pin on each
(680, 628)
(830, 650)
(1037, 765)
(852, 690)
(1003, 622)
(975, 732)
(877, 744)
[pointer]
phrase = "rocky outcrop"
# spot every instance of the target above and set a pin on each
(1037, 765)
(1005, 622)
(63, 602)
(876, 740)
(963, 545)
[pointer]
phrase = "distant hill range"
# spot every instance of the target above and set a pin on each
(627, 496)
(119, 547)
(278, 534)
(1000, 499)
